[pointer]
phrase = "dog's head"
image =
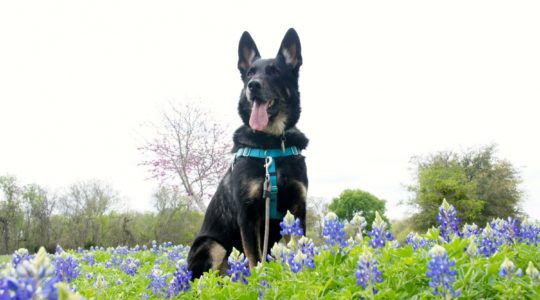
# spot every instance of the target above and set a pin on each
(270, 101)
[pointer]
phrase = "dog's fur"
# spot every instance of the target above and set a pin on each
(269, 107)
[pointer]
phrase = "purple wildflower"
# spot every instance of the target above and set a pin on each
(89, 258)
(489, 243)
(295, 260)
(154, 247)
(32, 279)
(440, 274)
(307, 248)
(355, 229)
(66, 267)
(508, 269)
(238, 266)
(333, 231)
(470, 230)
(505, 230)
(20, 255)
(158, 282)
(130, 266)
(448, 220)
(529, 232)
(180, 280)
(367, 272)
(379, 235)
(416, 241)
(291, 226)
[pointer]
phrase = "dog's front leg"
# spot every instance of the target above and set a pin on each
(251, 239)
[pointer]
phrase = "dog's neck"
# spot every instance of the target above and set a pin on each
(247, 137)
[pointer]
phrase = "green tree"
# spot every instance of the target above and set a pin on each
(38, 207)
(11, 215)
(479, 185)
(352, 201)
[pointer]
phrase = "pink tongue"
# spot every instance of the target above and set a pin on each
(259, 118)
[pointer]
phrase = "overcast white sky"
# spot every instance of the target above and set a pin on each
(382, 81)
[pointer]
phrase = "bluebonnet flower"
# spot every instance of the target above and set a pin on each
(489, 243)
(121, 250)
(333, 231)
(448, 220)
(296, 254)
(355, 229)
(158, 282)
(19, 255)
(291, 226)
(115, 260)
(238, 266)
(470, 230)
(295, 261)
(130, 266)
(66, 267)
(440, 274)
(416, 241)
(175, 254)
(505, 230)
(89, 258)
(533, 273)
(507, 269)
(32, 279)
(379, 235)
(307, 247)
(119, 281)
(367, 272)
(529, 232)
(59, 249)
(472, 248)
(180, 280)
(89, 275)
(279, 253)
(263, 286)
(154, 247)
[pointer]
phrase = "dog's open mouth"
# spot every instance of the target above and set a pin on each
(259, 115)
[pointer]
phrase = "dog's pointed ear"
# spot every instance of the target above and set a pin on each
(247, 52)
(290, 51)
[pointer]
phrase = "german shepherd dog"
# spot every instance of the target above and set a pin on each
(269, 108)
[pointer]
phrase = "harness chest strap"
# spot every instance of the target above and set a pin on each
(270, 185)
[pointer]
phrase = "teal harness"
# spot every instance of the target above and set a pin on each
(270, 183)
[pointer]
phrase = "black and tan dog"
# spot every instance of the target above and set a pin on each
(269, 107)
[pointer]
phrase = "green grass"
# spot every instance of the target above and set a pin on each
(5, 259)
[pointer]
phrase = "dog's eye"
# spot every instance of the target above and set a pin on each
(250, 73)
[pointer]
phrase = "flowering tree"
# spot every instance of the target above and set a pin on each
(190, 151)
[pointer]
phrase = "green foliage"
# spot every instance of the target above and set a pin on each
(403, 273)
(400, 229)
(479, 185)
(352, 201)
(85, 215)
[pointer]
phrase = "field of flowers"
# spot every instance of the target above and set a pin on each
(499, 261)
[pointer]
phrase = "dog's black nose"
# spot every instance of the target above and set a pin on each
(254, 85)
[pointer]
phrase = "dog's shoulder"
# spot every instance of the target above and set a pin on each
(246, 137)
